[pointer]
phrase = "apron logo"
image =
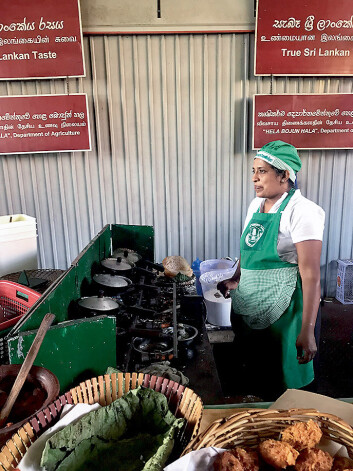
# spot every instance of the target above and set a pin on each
(254, 234)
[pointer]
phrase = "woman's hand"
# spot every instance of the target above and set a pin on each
(306, 346)
(226, 285)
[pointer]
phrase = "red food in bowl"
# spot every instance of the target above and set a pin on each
(40, 389)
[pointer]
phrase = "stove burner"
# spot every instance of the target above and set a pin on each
(167, 283)
(186, 333)
(153, 349)
(147, 305)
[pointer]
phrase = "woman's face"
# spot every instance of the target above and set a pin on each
(266, 181)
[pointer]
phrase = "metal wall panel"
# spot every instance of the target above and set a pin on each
(170, 119)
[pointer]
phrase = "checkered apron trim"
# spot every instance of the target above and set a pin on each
(262, 296)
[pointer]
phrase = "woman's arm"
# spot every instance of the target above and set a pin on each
(309, 252)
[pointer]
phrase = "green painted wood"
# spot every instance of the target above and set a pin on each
(88, 261)
(74, 284)
(81, 349)
(137, 238)
(74, 350)
(56, 302)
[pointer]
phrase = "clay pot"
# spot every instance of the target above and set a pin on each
(40, 389)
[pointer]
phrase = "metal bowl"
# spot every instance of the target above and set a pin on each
(186, 333)
(157, 349)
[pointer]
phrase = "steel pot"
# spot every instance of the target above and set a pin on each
(118, 266)
(127, 254)
(111, 284)
(92, 306)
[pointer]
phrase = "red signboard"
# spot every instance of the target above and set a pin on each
(306, 121)
(304, 37)
(40, 38)
(43, 123)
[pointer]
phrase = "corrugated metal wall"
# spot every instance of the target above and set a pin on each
(171, 137)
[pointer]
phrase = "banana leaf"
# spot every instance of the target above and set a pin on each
(134, 433)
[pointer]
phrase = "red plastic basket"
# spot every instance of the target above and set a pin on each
(15, 300)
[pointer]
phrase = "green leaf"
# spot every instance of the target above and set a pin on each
(133, 433)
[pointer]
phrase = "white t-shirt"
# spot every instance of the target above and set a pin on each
(301, 220)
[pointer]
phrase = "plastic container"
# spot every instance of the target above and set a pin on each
(226, 270)
(15, 300)
(344, 287)
(197, 272)
(218, 308)
(18, 243)
(216, 264)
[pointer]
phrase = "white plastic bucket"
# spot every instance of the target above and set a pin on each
(18, 243)
(218, 308)
(216, 264)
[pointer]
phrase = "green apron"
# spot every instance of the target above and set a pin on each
(268, 303)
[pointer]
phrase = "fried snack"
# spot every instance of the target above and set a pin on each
(175, 264)
(249, 459)
(237, 459)
(342, 464)
(313, 459)
(226, 461)
(278, 454)
(302, 435)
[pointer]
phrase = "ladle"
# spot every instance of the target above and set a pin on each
(26, 366)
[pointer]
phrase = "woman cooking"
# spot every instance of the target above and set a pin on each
(276, 290)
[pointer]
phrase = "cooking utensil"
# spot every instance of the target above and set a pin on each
(186, 333)
(38, 377)
(118, 266)
(26, 366)
(129, 255)
(97, 305)
(154, 348)
(123, 267)
(112, 284)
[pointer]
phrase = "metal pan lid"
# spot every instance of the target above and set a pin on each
(98, 303)
(112, 281)
(116, 264)
(129, 255)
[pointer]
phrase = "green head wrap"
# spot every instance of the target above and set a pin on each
(282, 156)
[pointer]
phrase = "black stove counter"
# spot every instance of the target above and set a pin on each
(200, 367)
(194, 358)
(150, 306)
(202, 371)
(196, 362)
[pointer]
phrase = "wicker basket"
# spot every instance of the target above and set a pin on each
(249, 427)
(183, 402)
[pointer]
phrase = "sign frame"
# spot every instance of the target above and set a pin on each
(288, 33)
(3, 154)
(46, 77)
(283, 137)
